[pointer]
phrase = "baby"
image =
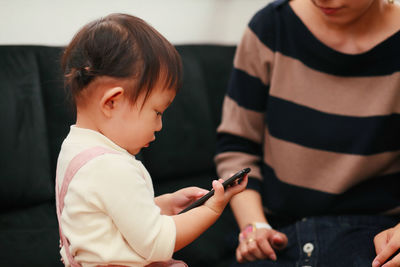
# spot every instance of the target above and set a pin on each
(122, 75)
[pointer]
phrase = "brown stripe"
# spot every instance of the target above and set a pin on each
(395, 211)
(253, 57)
(353, 96)
(393, 167)
(241, 122)
(230, 162)
(322, 170)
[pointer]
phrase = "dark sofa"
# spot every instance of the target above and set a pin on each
(35, 118)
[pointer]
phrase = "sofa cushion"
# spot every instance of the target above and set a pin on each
(24, 155)
(60, 111)
(29, 237)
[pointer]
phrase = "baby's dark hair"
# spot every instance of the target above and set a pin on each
(124, 47)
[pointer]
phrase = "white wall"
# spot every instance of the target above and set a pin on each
(54, 22)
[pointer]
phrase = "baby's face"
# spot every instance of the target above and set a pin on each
(140, 122)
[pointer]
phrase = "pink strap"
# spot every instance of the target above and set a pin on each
(76, 163)
(170, 263)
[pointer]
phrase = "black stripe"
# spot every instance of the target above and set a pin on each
(344, 134)
(232, 143)
(372, 196)
(254, 184)
(248, 91)
(279, 28)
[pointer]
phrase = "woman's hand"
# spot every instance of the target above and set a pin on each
(387, 243)
(260, 244)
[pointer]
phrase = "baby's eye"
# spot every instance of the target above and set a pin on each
(158, 113)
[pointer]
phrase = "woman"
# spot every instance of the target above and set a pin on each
(313, 108)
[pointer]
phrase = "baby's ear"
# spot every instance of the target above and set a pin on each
(110, 99)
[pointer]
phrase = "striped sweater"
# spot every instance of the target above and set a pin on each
(319, 128)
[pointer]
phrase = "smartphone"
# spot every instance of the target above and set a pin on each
(236, 178)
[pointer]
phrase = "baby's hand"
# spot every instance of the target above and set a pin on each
(184, 197)
(221, 197)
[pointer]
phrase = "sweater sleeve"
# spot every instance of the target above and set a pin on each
(240, 136)
(121, 191)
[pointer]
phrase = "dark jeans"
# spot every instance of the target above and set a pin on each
(329, 241)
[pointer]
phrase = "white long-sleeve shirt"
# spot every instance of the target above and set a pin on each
(110, 216)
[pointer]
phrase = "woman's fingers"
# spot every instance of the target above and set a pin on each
(387, 245)
(245, 253)
(266, 249)
(278, 241)
(387, 250)
(260, 245)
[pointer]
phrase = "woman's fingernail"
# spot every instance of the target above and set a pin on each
(376, 263)
(272, 257)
